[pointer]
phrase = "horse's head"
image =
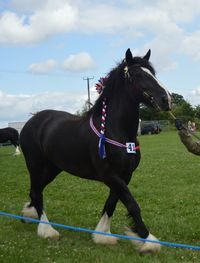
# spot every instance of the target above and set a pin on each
(141, 75)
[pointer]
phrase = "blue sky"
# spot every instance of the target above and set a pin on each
(47, 48)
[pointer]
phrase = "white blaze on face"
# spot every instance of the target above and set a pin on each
(159, 83)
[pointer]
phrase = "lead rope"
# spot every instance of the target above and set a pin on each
(193, 134)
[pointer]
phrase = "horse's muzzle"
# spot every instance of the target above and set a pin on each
(166, 101)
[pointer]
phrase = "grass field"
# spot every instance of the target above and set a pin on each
(166, 185)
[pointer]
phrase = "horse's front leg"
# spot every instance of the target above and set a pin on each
(119, 187)
(105, 222)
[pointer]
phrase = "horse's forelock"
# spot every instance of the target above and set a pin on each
(144, 63)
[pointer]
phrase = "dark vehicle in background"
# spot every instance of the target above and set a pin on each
(150, 128)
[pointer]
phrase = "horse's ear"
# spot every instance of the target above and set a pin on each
(148, 54)
(128, 56)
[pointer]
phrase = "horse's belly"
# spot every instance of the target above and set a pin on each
(73, 161)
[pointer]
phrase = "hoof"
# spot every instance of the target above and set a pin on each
(104, 240)
(137, 243)
(104, 226)
(145, 247)
(16, 154)
(48, 232)
(17, 151)
(29, 211)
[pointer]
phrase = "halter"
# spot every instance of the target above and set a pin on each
(130, 146)
(146, 94)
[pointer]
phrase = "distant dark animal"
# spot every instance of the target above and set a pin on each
(96, 146)
(11, 135)
(151, 128)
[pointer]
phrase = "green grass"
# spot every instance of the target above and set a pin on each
(166, 185)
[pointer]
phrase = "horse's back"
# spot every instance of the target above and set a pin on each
(8, 133)
(60, 138)
(38, 128)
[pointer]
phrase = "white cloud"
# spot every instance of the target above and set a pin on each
(42, 67)
(41, 19)
(78, 62)
(33, 21)
(50, 19)
(196, 91)
(191, 45)
(17, 107)
(109, 18)
(74, 63)
(183, 11)
(162, 51)
(24, 5)
(192, 95)
(178, 10)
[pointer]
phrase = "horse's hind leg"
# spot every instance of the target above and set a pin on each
(105, 222)
(40, 176)
(17, 151)
(15, 141)
(16, 145)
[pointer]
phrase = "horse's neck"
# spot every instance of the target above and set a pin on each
(122, 119)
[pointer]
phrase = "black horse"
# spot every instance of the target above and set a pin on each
(54, 141)
(12, 135)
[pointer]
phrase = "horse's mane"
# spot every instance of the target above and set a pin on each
(114, 80)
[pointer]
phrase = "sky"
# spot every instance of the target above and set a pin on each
(48, 48)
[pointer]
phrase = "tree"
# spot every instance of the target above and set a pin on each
(146, 113)
(177, 99)
(185, 111)
(83, 110)
(182, 108)
(150, 114)
(197, 111)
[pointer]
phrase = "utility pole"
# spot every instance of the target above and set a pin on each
(88, 89)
